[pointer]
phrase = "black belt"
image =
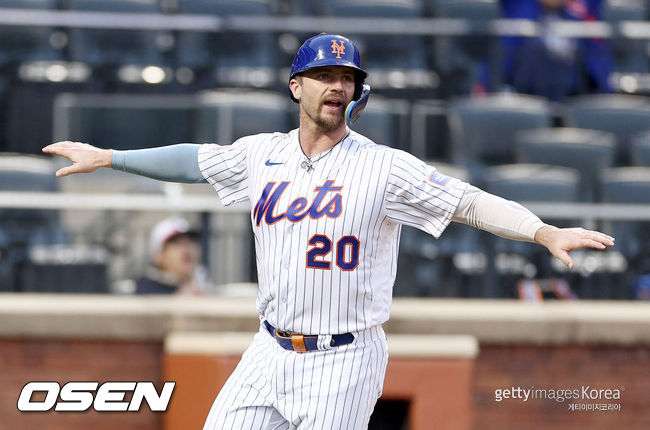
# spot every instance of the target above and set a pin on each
(303, 343)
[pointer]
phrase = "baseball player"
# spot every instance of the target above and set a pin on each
(327, 208)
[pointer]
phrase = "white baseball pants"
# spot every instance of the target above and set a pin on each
(273, 388)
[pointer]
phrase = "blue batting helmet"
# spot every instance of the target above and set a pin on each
(329, 50)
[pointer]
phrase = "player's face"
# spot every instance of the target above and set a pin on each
(324, 93)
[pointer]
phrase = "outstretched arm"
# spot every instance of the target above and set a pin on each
(510, 220)
(174, 163)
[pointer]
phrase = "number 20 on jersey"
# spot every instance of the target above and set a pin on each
(346, 253)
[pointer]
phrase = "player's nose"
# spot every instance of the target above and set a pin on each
(336, 84)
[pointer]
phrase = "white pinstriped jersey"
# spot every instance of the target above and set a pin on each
(327, 238)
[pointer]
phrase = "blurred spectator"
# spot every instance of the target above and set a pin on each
(176, 255)
(551, 65)
(642, 288)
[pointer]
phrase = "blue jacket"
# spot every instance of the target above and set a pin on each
(530, 67)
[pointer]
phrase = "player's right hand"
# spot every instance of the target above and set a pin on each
(85, 158)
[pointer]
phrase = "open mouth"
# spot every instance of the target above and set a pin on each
(333, 104)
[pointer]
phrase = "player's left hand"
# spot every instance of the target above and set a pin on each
(561, 241)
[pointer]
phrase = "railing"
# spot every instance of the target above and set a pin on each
(588, 212)
(302, 24)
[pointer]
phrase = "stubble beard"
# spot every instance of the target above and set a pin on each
(326, 123)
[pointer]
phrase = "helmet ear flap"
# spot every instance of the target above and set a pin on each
(359, 82)
(355, 107)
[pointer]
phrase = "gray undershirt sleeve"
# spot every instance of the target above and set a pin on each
(496, 215)
(173, 163)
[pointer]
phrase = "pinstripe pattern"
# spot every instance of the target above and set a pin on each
(382, 189)
(275, 388)
(358, 192)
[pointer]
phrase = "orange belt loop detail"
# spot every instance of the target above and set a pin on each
(298, 342)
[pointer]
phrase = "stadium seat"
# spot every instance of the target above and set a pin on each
(385, 121)
(20, 228)
(483, 129)
(641, 149)
(629, 185)
(7, 266)
(224, 116)
(32, 59)
(65, 269)
(461, 58)
(80, 278)
(479, 12)
(384, 51)
(35, 64)
(588, 151)
(123, 121)
(451, 266)
(26, 173)
(393, 61)
(232, 58)
(430, 130)
(301, 7)
(20, 44)
(29, 113)
(533, 182)
(629, 54)
(527, 183)
(117, 55)
(625, 116)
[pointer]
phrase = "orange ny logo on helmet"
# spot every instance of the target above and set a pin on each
(338, 48)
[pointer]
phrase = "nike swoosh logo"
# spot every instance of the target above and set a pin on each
(270, 163)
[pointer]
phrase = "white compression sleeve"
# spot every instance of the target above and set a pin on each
(496, 215)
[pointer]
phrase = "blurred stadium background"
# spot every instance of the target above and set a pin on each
(129, 74)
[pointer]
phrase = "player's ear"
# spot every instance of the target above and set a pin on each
(295, 87)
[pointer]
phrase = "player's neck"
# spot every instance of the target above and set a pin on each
(314, 140)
